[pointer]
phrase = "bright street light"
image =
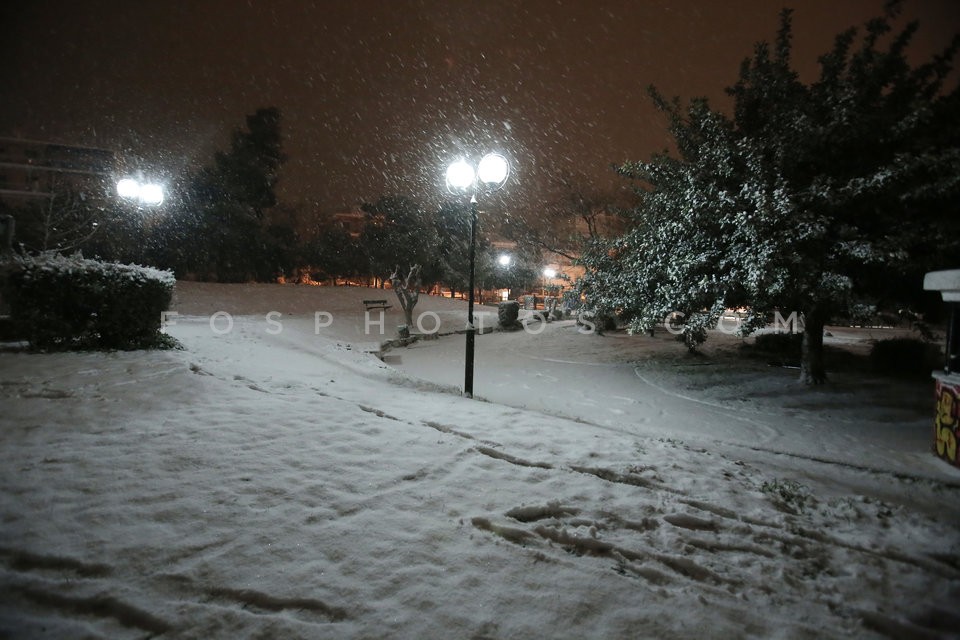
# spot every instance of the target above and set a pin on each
(151, 194)
(459, 176)
(550, 272)
(128, 188)
(493, 170)
(504, 260)
(491, 174)
(144, 193)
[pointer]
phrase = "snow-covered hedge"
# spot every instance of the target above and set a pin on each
(60, 302)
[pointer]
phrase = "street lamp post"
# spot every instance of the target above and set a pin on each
(143, 194)
(491, 174)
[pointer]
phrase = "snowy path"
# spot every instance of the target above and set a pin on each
(639, 400)
(290, 486)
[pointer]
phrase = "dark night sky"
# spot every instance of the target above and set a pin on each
(378, 96)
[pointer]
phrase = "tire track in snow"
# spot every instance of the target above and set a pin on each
(258, 601)
(64, 586)
(69, 587)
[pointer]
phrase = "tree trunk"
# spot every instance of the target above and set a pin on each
(407, 290)
(812, 368)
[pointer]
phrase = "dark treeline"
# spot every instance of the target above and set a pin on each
(224, 223)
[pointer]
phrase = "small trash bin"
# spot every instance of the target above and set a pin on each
(946, 421)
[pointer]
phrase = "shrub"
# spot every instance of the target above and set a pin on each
(59, 302)
(905, 357)
(507, 314)
(600, 321)
(782, 345)
(788, 495)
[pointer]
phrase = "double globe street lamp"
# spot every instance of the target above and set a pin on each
(462, 179)
(143, 193)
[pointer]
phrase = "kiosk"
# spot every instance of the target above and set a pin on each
(946, 422)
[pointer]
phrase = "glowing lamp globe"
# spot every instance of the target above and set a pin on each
(151, 194)
(128, 188)
(459, 176)
(493, 170)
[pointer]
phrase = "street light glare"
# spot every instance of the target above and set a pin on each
(550, 273)
(151, 194)
(459, 175)
(504, 260)
(128, 188)
(493, 169)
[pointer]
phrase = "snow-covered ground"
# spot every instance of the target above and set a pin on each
(275, 482)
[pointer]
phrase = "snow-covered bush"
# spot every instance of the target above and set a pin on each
(508, 313)
(60, 302)
(789, 495)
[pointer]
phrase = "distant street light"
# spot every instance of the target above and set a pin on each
(490, 175)
(504, 260)
(549, 273)
(147, 194)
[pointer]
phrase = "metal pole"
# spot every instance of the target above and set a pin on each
(471, 331)
(953, 327)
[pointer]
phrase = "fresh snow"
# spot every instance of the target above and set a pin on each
(273, 481)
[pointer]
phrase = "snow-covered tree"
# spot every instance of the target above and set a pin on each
(810, 198)
(397, 230)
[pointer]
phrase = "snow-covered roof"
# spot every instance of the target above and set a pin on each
(946, 282)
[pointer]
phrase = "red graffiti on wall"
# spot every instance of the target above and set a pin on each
(946, 425)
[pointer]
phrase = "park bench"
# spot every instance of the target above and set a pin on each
(376, 304)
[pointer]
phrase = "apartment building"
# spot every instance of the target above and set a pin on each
(33, 169)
